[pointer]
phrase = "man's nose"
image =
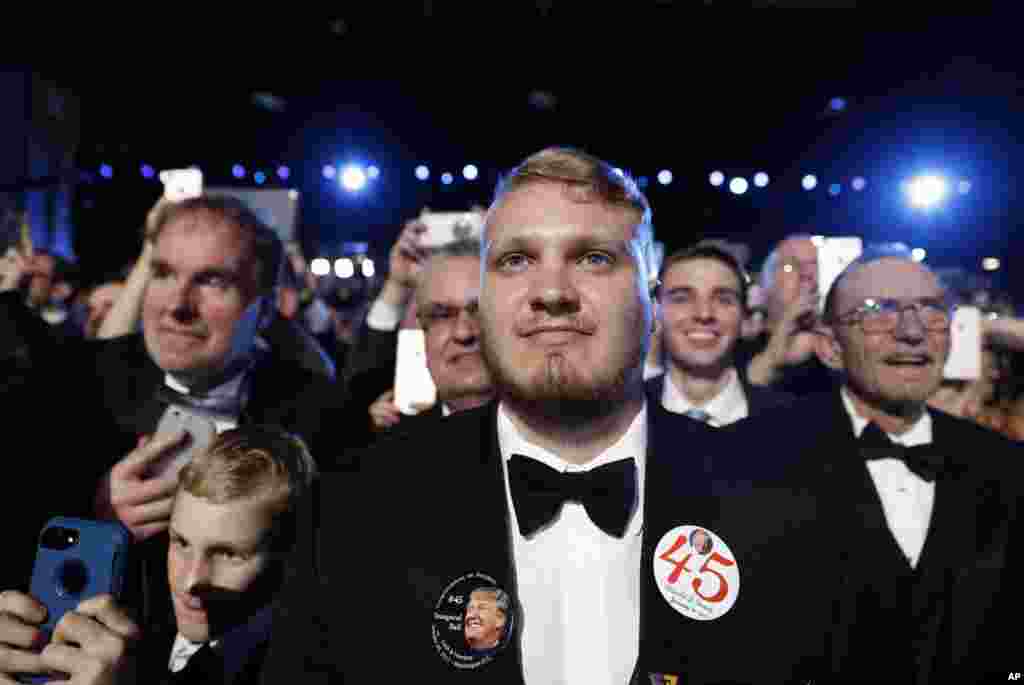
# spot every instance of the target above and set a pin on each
(198, 575)
(467, 327)
(554, 292)
(703, 310)
(910, 328)
(182, 303)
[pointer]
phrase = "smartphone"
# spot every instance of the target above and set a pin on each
(201, 432)
(413, 382)
(77, 559)
(964, 362)
(834, 255)
(655, 258)
(182, 184)
(447, 227)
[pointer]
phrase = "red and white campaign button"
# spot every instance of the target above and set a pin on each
(696, 572)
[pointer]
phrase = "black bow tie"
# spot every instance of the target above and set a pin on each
(921, 459)
(538, 491)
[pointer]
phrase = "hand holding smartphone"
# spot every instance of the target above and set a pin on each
(201, 432)
(77, 559)
(413, 382)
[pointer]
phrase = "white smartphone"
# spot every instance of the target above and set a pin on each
(964, 362)
(182, 184)
(655, 258)
(201, 432)
(447, 227)
(834, 255)
(413, 383)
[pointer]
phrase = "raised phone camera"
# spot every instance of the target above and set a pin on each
(72, 575)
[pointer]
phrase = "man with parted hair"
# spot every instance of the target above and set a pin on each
(558, 491)
(702, 302)
(214, 270)
(231, 525)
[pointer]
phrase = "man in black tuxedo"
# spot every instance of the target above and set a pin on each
(231, 526)
(933, 509)
(702, 301)
(215, 266)
(572, 493)
(447, 298)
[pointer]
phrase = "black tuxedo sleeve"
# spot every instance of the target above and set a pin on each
(307, 624)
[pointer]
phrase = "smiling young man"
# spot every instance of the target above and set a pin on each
(571, 493)
(702, 303)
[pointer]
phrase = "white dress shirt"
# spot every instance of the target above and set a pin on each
(578, 586)
(728, 406)
(182, 651)
(230, 389)
(907, 499)
(383, 316)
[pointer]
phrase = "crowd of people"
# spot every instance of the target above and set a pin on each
(633, 471)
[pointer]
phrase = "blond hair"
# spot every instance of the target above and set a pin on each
(595, 179)
(251, 461)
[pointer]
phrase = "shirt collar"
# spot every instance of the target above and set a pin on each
(728, 406)
(919, 434)
(183, 650)
(229, 389)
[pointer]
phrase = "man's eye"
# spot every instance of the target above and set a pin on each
(512, 262)
(597, 259)
(233, 557)
(216, 281)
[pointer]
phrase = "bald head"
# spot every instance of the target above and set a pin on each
(893, 368)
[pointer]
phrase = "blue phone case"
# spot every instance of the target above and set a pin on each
(95, 563)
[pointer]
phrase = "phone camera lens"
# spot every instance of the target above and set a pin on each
(72, 577)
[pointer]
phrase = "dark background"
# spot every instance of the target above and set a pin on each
(689, 87)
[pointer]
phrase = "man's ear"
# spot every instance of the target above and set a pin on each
(827, 347)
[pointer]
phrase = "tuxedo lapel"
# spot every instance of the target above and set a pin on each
(130, 383)
(966, 546)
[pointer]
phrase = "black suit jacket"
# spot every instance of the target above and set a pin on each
(759, 399)
(84, 404)
(952, 619)
(369, 372)
(376, 552)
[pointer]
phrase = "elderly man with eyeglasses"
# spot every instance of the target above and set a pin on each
(927, 503)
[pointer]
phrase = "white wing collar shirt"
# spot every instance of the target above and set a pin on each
(907, 499)
(578, 586)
